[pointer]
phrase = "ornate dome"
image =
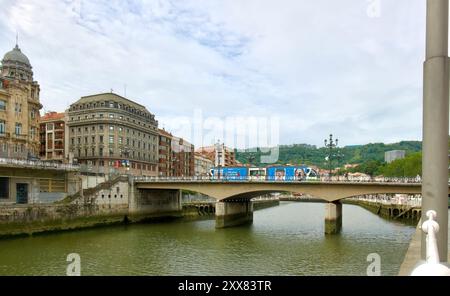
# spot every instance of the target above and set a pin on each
(16, 55)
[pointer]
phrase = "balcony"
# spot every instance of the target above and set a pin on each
(4, 135)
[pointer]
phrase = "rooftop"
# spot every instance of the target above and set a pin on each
(51, 116)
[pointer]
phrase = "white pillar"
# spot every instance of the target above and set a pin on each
(435, 122)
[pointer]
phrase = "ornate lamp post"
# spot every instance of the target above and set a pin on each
(330, 145)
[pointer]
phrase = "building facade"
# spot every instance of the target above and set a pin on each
(19, 107)
(165, 154)
(203, 165)
(182, 158)
(219, 154)
(109, 134)
(390, 156)
(52, 132)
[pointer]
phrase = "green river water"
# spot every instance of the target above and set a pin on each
(285, 240)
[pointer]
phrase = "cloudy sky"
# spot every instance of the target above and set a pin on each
(307, 68)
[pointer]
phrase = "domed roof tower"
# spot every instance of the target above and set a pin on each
(16, 65)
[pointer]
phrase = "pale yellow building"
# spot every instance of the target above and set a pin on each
(19, 107)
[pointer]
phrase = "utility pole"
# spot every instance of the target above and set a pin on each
(435, 123)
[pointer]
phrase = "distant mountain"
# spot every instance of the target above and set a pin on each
(311, 155)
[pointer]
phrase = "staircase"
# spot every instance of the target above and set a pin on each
(92, 191)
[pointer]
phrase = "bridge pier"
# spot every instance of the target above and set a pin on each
(155, 203)
(233, 213)
(333, 217)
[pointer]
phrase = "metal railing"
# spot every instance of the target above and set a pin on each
(412, 200)
(432, 266)
(37, 164)
(274, 179)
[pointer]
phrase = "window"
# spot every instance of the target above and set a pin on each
(33, 113)
(79, 129)
(111, 115)
(72, 140)
(101, 115)
(2, 127)
(111, 127)
(18, 129)
(120, 129)
(85, 152)
(4, 188)
(111, 152)
(120, 140)
(111, 105)
(121, 117)
(86, 129)
(93, 128)
(85, 140)
(111, 139)
(93, 151)
(100, 127)
(100, 152)
(93, 139)
(18, 108)
(2, 105)
(79, 140)
(101, 139)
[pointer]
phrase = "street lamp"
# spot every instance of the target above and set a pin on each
(219, 155)
(330, 145)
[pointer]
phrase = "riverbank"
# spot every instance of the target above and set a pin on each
(27, 220)
(389, 211)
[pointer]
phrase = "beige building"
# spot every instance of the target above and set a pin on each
(52, 136)
(109, 134)
(19, 107)
(203, 165)
(219, 154)
(182, 158)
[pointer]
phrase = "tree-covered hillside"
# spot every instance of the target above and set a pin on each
(311, 155)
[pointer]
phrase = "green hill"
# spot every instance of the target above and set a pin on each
(311, 155)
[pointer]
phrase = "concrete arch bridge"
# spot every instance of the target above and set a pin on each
(234, 206)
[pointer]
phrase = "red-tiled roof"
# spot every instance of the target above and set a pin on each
(164, 133)
(49, 116)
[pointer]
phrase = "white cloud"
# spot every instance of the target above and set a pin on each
(320, 66)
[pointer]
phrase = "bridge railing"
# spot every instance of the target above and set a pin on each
(338, 179)
(387, 199)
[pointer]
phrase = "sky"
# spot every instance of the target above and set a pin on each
(250, 73)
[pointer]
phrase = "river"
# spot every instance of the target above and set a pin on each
(284, 240)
